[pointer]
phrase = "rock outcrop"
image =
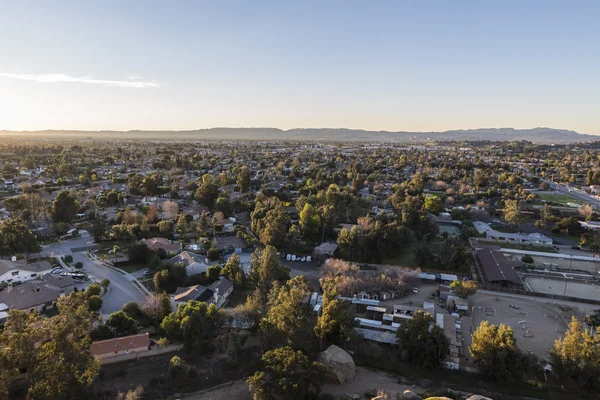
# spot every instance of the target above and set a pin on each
(409, 395)
(338, 363)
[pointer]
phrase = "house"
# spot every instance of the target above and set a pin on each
(221, 288)
(64, 284)
(325, 250)
(120, 346)
(531, 239)
(162, 243)
(12, 271)
(193, 263)
(31, 296)
(196, 292)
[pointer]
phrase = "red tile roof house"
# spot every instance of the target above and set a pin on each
(120, 346)
(162, 243)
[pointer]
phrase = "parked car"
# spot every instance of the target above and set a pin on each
(303, 259)
(415, 290)
(289, 257)
(308, 258)
(147, 272)
(57, 270)
(293, 257)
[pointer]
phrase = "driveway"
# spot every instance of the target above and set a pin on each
(121, 289)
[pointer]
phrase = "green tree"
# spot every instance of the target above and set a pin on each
(243, 180)
(165, 227)
(310, 222)
(421, 341)
(93, 290)
(527, 259)
(54, 352)
(194, 324)
(285, 315)
(576, 358)
(464, 289)
(233, 270)
(95, 303)
(494, 350)
(64, 207)
(182, 225)
(208, 191)
(122, 324)
(15, 237)
(265, 269)
(287, 374)
(512, 212)
(336, 323)
(105, 283)
(162, 280)
(434, 205)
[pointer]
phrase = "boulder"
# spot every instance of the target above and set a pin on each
(339, 364)
(409, 395)
(478, 397)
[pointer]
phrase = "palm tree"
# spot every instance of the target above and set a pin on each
(115, 251)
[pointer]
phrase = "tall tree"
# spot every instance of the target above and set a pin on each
(421, 341)
(54, 352)
(233, 270)
(336, 323)
(64, 207)
(287, 374)
(194, 324)
(494, 350)
(208, 190)
(576, 358)
(15, 237)
(243, 180)
(310, 222)
(265, 269)
(512, 212)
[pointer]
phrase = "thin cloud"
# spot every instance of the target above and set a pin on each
(58, 78)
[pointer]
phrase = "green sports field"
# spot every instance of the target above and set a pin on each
(558, 198)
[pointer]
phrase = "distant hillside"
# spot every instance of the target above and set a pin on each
(537, 135)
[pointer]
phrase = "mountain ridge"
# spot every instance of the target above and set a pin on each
(536, 135)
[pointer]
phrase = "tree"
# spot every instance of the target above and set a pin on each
(233, 270)
(286, 374)
(212, 273)
(93, 290)
(165, 227)
(105, 283)
(122, 324)
(494, 350)
(54, 352)
(132, 309)
(64, 207)
(285, 315)
(208, 191)
(243, 180)
(265, 269)
(162, 280)
(336, 323)
(194, 324)
(115, 250)
(527, 259)
(15, 237)
(464, 289)
(586, 211)
(95, 303)
(133, 394)
(422, 342)
(310, 222)
(512, 212)
(576, 358)
(182, 225)
(434, 205)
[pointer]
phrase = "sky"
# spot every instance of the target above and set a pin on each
(376, 65)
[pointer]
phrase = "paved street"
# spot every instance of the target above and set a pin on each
(121, 289)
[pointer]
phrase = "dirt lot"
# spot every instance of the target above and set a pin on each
(573, 289)
(544, 322)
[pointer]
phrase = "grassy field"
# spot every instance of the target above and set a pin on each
(558, 198)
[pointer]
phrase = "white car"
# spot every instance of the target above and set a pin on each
(303, 259)
(308, 258)
(293, 257)
(288, 257)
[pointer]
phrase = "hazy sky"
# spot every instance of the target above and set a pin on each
(390, 65)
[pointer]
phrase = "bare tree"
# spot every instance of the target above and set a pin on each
(171, 209)
(586, 211)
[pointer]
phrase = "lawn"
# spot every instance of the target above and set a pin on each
(130, 268)
(558, 198)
